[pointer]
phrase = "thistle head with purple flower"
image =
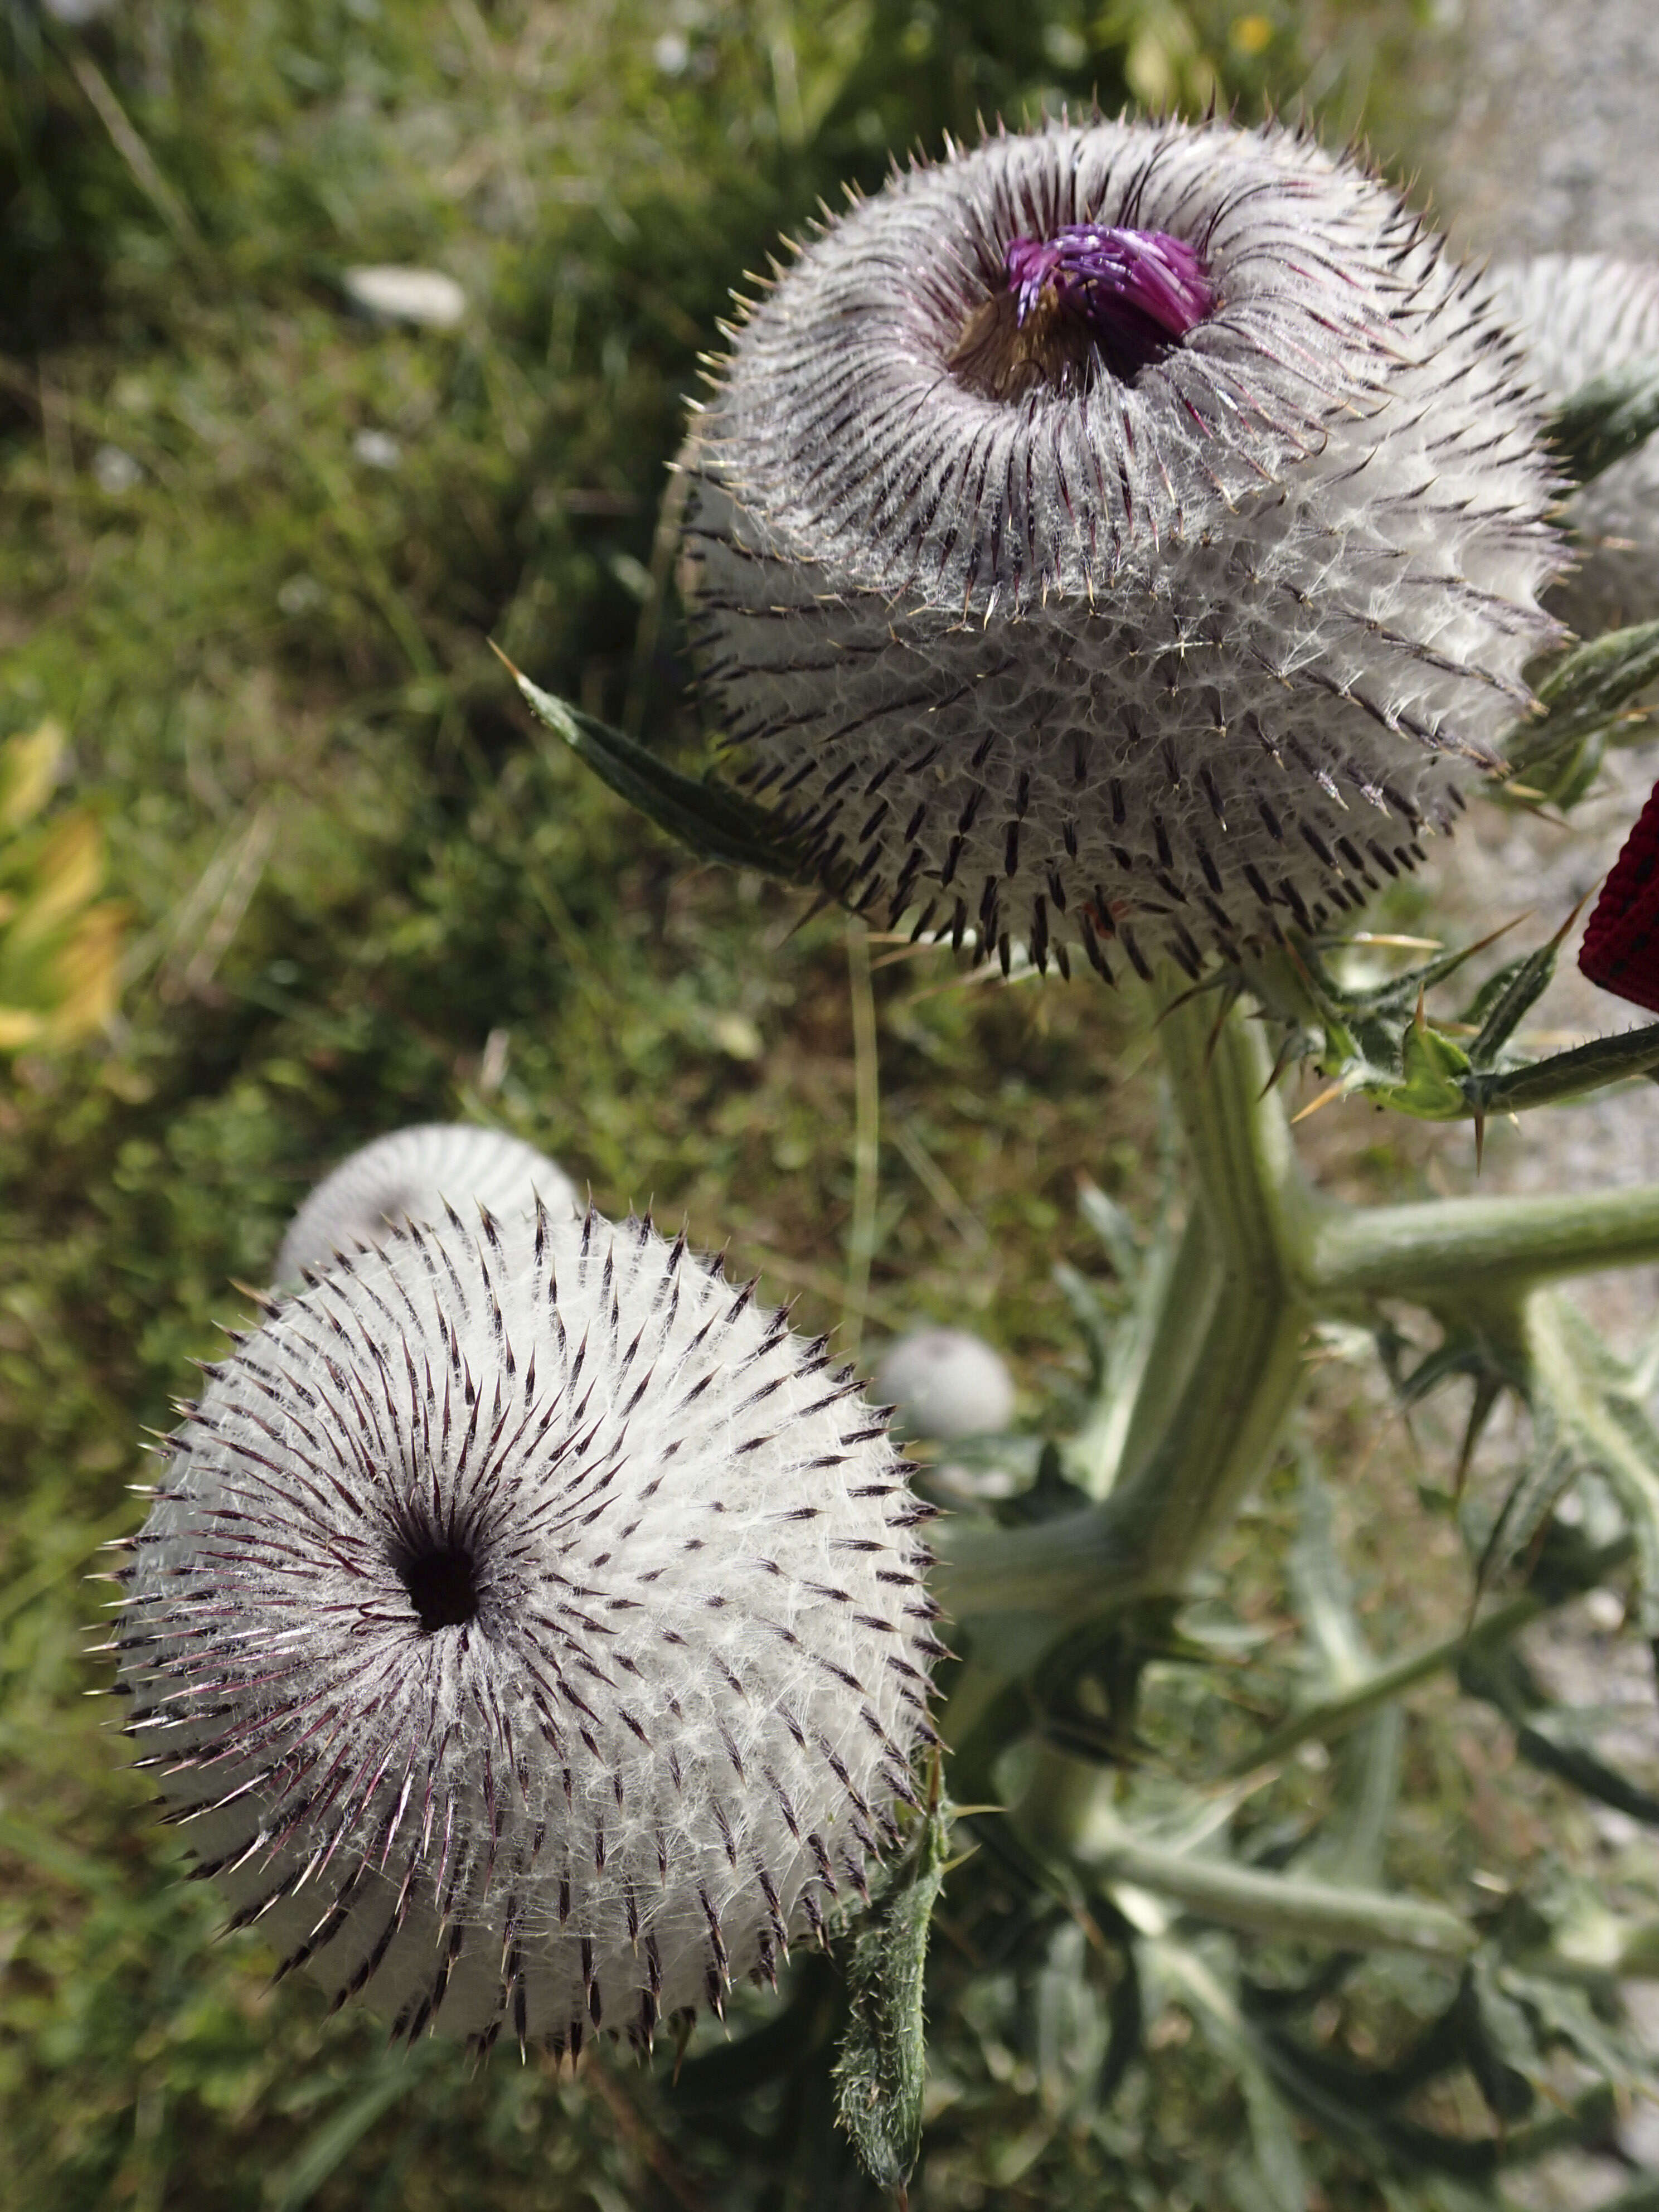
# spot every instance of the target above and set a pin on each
(1123, 540)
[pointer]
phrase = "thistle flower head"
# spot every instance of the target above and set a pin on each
(530, 1630)
(1579, 316)
(412, 1174)
(1089, 293)
(1129, 532)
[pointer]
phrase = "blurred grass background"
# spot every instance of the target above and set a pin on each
(254, 543)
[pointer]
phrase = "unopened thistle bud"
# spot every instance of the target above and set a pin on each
(947, 1383)
(1124, 538)
(1580, 316)
(413, 1175)
(531, 1631)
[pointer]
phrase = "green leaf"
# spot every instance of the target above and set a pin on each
(1564, 1075)
(396, 2075)
(1432, 1069)
(717, 821)
(1322, 1591)
(1498, 2044)
(1589, 689)
(1116, 1228)
(1547, 1737)
(1501, 1009)
(1605, 419)
(1195, 1979)
(1586, 1411)
(883, 2066)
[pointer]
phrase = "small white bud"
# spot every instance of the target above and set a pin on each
(414, 1174)
(944, 1383)
(1580, 316)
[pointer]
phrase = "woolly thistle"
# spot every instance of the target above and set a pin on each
(1580, 316)
(1126, 533)
(408, 1176)
(530, 1630)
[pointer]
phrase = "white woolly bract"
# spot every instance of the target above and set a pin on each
(532, 1630)
(1180, 659)
(1580, 316)
(412, 1175)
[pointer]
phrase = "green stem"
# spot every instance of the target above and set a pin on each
(1216, 1388)
(1282, 1906)
(866, 1155)
(1149, 1387)
(1448, 1247)
(1333, 1715)
(1218, 1437)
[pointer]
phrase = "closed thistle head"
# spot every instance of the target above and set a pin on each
(531, 1632)
(1580, 316)
(414, 1174)
(1124, 538)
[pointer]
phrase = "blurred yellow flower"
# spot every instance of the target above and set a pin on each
(60, 946)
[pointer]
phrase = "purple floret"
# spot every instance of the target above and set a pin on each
(1136, 291)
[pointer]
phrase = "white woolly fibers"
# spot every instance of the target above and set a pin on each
(1157, 664)
(1580, 316)
(410, 1176)
(531, 1631)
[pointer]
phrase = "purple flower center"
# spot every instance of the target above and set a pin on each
(1134, 291)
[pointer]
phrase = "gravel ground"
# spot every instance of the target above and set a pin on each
(1547, 141)
(1551, 143)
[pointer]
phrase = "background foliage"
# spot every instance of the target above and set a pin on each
(254, 543)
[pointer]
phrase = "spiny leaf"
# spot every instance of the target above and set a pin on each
(1605, 419)
(717, 821)
(1587, 694)
(1564, 1075)
(1501, 1011)
(1586, 1414)
(883, 2066)
(1547, 1736)
(1528, 1505)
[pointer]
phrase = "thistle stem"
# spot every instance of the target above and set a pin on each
(866, 1155)
(1285, 1907)
(1125, 1430)
(1222, 1370)
(1227, 1418)
(1333, 1715)
(1447, 1247)
(1221, 1374)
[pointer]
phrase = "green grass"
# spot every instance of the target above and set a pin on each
(363, 893)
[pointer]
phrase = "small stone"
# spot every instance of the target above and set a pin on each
(376, 449)
(300, 595)
(425, 298)
(116, 471)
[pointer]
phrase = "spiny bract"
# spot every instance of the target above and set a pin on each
(410, 1176)
(1580, 316)
(1047, 602)
(531, 1631)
